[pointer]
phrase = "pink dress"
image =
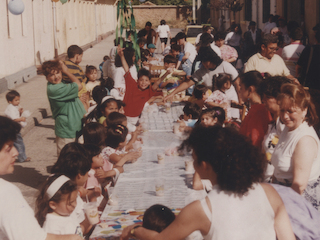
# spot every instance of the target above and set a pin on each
(219, 97)
(228, 52)
(106, 153)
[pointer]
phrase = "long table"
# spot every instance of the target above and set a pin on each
(134, 191)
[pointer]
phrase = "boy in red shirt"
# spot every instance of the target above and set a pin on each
(137, 93)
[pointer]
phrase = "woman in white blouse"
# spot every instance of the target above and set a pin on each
(296, 157)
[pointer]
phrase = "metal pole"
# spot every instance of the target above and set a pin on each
(55, 29)
(194, 10)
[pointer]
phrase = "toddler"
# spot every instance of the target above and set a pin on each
(92, 74)
(212, 116)
(115, 143)
(157, 218)
(222, 82)
(55, 204)
(15, 112)
(191, 112)
(74, 164)
(105, 58)
(200, 95)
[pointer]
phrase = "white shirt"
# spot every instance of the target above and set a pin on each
(254, 35)
(261, 64)
(233, 39)
(291, 54)
(282, 155)
(78, 212)
(249, 217)
(189, 48)
(12, 112)
(17, 221)
(163, 30)
(56, 224)
(120, 82)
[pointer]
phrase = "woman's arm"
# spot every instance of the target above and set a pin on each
(180, 88)
(190, 219)
(282, 223)
(302, 159)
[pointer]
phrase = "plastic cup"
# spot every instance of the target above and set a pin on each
(161, 158)
(176, 127)
(167, 106)
(91, 211)
(159, 187)
(136, 145)
(189, 165)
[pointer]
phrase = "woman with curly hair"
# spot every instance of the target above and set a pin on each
(296, 157)
(238, 207)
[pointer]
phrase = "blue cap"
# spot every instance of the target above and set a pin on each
(151, 45)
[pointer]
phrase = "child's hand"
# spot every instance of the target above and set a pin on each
(140, 140)
(23, 119)
(97, 191)
(139, 129)
(64, 67)
(83, 191)
(20, 110)
(120, 51)
(100, 173)
(121, 170)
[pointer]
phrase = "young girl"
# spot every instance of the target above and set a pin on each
(218, 98)
(54, 205)
(213, 116)
(95, 134)
(115, 142)
(92, 75)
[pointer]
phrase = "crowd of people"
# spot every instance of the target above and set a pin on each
(247, 128)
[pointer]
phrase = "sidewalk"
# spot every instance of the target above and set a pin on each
(34, 94)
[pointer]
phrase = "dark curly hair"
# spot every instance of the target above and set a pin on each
(157, 218)
(271, 86)
(236, 162)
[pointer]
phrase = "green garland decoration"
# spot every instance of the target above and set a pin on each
(127, 22)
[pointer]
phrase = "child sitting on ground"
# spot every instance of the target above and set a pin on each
(191, 112)
(74, 164)
(138, 92)
(66, 107)
(173, 79)
(92, 74)
(75, 54)
(157, 218)
(55, 204)
(15, 112)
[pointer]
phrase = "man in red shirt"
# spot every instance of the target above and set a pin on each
(137, 93)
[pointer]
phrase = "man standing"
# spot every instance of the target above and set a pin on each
(252, 40)
(267, 61)
(148, 33)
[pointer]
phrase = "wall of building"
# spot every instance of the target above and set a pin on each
(155, 13)
(28, 39)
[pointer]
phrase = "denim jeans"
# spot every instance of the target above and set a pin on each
(187, 67)
(19, 145)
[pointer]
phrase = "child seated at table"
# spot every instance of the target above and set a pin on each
(200, 95)
(138, 92)
(173, 79)
(157, 218)
(74, 164)
(93, 186)
(55, 204)
(176, 52)
(218, 98)
(191, 112)
(116, 118)
(115, 143)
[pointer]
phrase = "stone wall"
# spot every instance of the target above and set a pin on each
(175, 16)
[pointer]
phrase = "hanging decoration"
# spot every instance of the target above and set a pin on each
(16, 7)
(127, 22)
(63, 1)
(55, 0)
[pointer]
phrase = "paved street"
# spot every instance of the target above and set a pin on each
(39, 138)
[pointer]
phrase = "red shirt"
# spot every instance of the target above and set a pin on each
(135, 98)
(255, 124)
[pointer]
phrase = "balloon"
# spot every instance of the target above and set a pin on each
(63, 1)
(16, 7)
(55, 0)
